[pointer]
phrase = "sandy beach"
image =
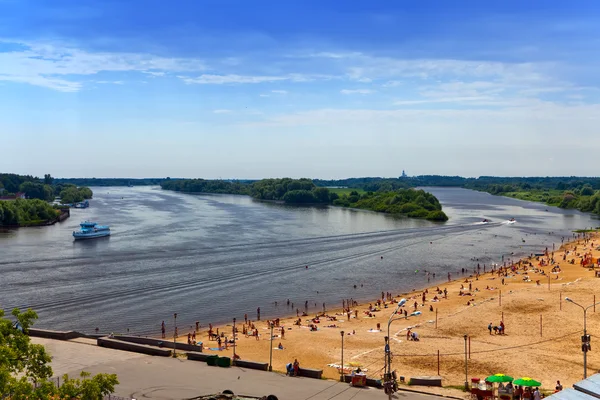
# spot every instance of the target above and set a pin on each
(542, 330)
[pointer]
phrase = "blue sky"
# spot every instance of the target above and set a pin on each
(323, 89)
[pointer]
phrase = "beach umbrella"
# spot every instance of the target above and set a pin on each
(525, 381)
(499, 378)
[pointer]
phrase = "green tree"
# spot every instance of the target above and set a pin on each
(35, 190)
(587, 190)
(321, 194)
(48, 179)
(22, 363)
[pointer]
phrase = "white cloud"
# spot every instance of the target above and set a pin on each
(60, 67)
(154, 74)
(478, 99)
(223, 111)
(356, 91)
(264, 95)
(279, 91)
(392, 84)
(209, 79)
(110, 82)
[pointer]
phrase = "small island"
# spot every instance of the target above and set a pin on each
(403, 202)
(27, 201)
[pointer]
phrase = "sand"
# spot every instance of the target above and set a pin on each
(550, 353)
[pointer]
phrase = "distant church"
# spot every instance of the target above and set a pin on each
(403, 175)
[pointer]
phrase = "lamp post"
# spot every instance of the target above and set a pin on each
(585, 339)
(342, 369)
(271, 349)
(387, 342)
(174, 335)
(233, 359)
(466, 366)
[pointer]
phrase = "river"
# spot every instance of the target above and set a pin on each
(211, 258)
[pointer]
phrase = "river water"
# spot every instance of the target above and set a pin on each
(211, 258)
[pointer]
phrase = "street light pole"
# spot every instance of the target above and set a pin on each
(466, 366)
(271, 349)
(342, 369)
(233, 360)
(174, 335)
(387, 338)
(585, 342)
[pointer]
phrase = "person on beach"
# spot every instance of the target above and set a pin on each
(258, 314)
(280, 346)
(490, 328)
(296, 367)
(245, 318)
(558, 387)
(502, 327)
(282, 333)
(163, 329)
(289, 368)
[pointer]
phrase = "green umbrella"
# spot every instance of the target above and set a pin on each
(525, 381)
(499, 378)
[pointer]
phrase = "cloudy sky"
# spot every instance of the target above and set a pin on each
(301, 88)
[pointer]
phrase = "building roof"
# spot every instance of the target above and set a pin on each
(590, 386)
(587, 389)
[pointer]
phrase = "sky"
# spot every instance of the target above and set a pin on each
(320, 89)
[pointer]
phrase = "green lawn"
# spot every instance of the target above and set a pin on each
(341, 191)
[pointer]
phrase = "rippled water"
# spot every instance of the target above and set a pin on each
(214, 257)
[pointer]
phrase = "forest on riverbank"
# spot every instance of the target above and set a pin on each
(408, 202)
(46, 189)
(21, 212)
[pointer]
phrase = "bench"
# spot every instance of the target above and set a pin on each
(57, 335)
(252, 365)
(193, 356)
(310, 373)
(158, 343)
(134, 347)
(425, 381)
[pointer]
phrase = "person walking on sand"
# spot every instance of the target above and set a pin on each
(490, 328)
(502, 327)
(282, 333)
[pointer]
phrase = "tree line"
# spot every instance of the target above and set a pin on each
(408, 202)
(23, 212)
(46, 189)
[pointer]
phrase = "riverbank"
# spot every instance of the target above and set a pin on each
(541, 340)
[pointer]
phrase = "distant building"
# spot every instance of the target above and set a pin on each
(18, 195)
(403, 175)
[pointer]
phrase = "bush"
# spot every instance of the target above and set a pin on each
(437, 216)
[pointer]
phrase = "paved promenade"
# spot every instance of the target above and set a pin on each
(147, 377)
